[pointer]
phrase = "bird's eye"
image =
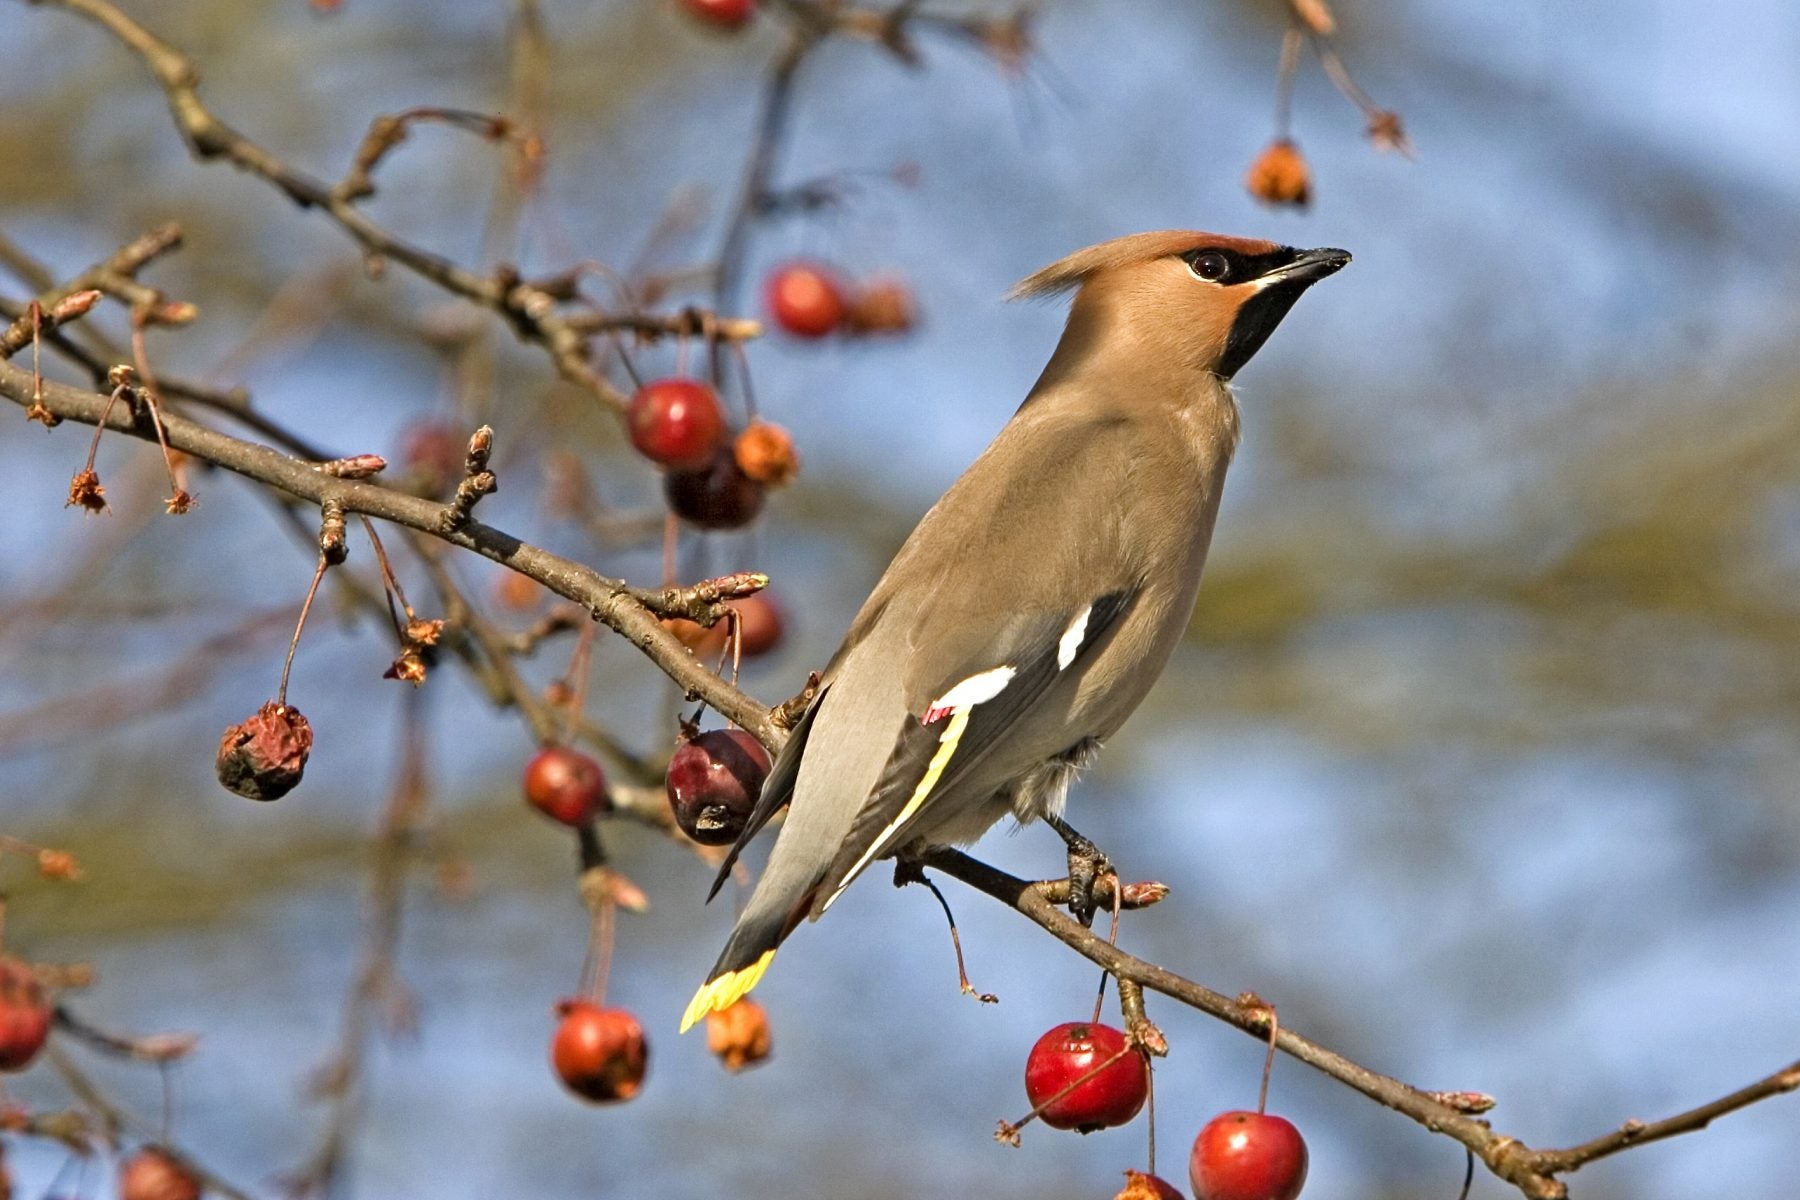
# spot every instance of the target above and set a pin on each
(1211, 266)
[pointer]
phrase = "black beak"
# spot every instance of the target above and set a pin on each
(1276, 291)
(1310, 266)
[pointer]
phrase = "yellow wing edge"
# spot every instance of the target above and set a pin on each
(717, 995)
(947, 744)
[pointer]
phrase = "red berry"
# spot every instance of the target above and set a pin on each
(1247, 1156)
(24, 1015)
(805, 300)
(566, 785)
(676, 422)
(1139, 1186)
(759, 624)
(727, 14)
(713, 783)
(155, 1174)
(720, 496)
(599, 1053)
(1112, 1096)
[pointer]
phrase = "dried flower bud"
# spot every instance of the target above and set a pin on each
(181, 502)
(1386, 132)
(58, 865)
(880, 306)
(85, 490)
(1280, 175)
(263, 757)
(409, 667)
(1315, 15)
(765, 453)
(739, 1035)
(422, 632)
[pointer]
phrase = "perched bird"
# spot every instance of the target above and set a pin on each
(1035, 604)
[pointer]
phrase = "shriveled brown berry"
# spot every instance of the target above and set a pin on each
(766, 454)
(880, 306)
(739, 1035)
(263, 758)
(25, 1012)
(1139, 1186)
(713, 782)
(1280, 175)
(719, 497)
(599, 1053)
(155, 1174)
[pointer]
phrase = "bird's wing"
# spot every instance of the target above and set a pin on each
(970, 713)
(777, 790)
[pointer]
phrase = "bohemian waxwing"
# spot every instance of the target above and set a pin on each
(1038, 600)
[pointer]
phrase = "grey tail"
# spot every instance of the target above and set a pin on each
(750, 949)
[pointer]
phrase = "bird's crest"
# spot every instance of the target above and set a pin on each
(1075, 270)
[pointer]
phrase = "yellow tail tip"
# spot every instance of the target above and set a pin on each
(717, 995)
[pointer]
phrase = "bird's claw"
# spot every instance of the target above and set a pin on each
(1087, 865)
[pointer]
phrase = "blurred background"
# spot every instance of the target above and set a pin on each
(1479, 763)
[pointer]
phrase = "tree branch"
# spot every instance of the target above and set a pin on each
(1532, 1172)
(629, 611)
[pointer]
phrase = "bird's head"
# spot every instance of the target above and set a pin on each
(1200, 300)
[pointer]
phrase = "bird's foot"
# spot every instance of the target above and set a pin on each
(1087, 865)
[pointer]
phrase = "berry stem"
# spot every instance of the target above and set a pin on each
(1150, 1103)
(1262, 1097)
(1284, 81)
(305, 608)
(578, 679)
(1112, 939)
(389, 580)
(179, 500)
